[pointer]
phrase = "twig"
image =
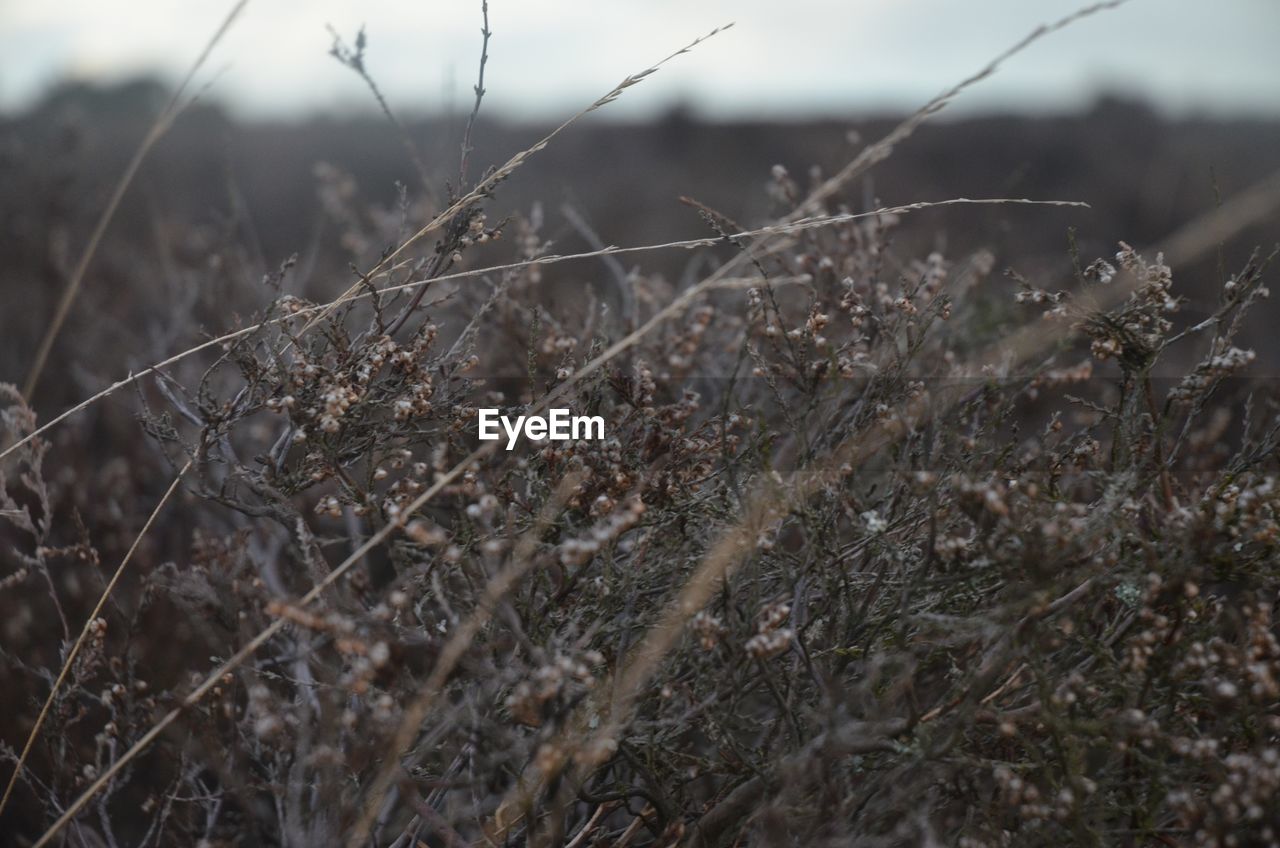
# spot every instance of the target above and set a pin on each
(354, 59)
(486, 34)
(587, 828)
(498, 175)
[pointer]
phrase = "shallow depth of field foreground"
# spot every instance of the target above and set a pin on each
(929, 509)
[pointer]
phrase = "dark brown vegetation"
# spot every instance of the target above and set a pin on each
(887, 544)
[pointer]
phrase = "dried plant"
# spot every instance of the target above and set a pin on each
(851, 566)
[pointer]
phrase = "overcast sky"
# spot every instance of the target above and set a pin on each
(548, 57)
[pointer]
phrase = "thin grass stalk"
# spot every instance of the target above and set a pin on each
(552, 259)
(84, 635)
(162, 124)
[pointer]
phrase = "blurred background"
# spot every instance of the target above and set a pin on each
(1154, 113)
(797, 59)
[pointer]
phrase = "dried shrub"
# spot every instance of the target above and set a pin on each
(978, 589)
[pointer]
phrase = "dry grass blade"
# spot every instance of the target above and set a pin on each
(520, 563)
(689, 244)
(161, 126)
(498, 175)
(1256, 203)
(551, 259)
(883, 148)
(84, 634)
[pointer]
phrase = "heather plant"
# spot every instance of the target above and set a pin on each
(856, 562)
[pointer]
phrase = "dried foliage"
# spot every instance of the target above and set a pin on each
(852, 566)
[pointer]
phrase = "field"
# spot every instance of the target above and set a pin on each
(937, 503)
